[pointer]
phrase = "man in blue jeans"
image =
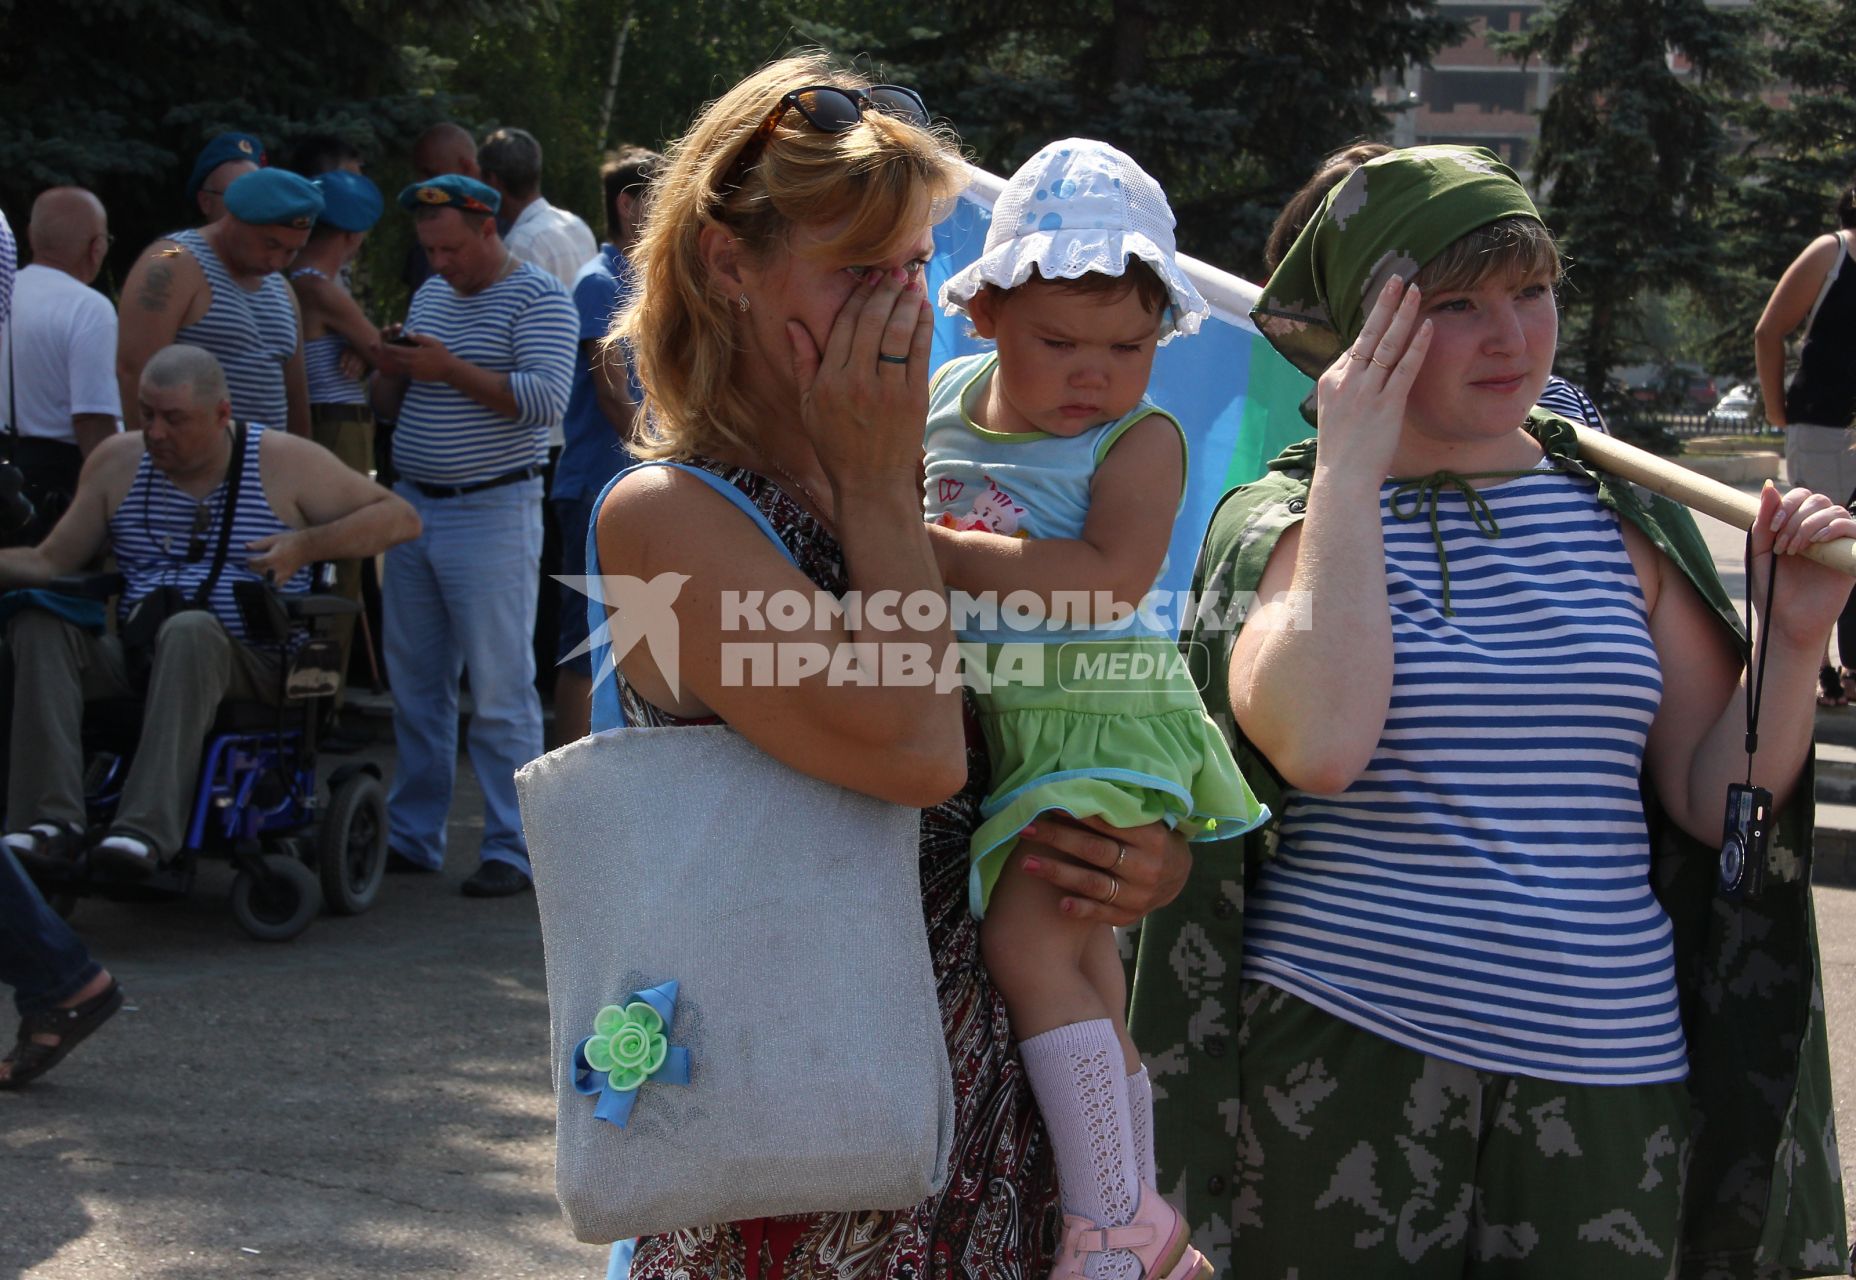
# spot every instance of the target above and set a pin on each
(61, 993)
(484, 370)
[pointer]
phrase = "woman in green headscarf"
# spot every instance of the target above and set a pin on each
(1470, 1036)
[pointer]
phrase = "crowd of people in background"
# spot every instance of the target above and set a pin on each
(488, 408)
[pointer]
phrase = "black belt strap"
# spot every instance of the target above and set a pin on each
(459, 490)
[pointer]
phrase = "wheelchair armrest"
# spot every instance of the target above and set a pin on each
(87, 586)
(305, 608)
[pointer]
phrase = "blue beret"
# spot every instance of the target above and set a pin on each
(350, 202)
(453, 190)
(227, 146)
(274, 197)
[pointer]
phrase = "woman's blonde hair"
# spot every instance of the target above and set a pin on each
(882, 178)
(1514, 248)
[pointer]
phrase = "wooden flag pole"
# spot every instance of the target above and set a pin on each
(1698, 492)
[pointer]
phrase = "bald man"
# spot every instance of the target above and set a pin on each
(58, 361)
(164, 501)
(443, 148)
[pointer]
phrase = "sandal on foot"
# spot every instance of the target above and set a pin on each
(46, 847)
(1157, 1236)
(30, 1059)
(126, 855)
(1830, 691)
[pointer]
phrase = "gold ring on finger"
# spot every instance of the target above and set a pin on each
(1381, 363)
(1114, 889)
(1121, 852)
(1355, 355)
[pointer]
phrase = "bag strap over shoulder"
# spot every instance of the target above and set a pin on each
(202, 599)
(607, 712)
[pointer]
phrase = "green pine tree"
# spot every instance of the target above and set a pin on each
(1229, 106)
(1633, 158)
(1799, 152)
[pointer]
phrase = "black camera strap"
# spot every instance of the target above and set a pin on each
(12, 381)
(1756, 676)
(228, 515)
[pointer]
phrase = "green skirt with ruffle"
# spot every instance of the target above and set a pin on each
(1108, 729)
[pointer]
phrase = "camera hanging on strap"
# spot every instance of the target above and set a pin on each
(1747, 829)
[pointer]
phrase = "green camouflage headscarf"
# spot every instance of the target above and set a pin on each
(1392, 214)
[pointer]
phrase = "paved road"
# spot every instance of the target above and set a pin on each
(369, 1100)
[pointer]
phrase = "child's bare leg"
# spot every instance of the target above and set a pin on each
(1102, 966)
(1038, 957)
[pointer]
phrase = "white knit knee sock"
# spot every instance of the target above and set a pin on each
(1079, 1078)
(1141, 1121)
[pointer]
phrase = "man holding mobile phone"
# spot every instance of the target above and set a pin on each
(475, 379)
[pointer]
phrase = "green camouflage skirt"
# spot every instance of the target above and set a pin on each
(1359, 1157)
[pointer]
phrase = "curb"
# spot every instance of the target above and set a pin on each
(1735, 468)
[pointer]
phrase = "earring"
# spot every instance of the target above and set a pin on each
(742, 301)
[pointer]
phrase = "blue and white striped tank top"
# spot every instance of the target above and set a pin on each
(1481, 893)
(252, 334)
(322, 363)
(524, 326)
(156, 529)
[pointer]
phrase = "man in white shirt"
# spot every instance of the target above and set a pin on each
(555, 240)
(559, 243)
(58, 361)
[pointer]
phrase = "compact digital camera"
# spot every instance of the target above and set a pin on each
(1743, 841)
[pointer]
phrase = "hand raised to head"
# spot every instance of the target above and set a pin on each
(1361, 398)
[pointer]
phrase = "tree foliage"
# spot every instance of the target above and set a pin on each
(1799, 151)
(1632, 156)
(1229, 106)
(119, 95)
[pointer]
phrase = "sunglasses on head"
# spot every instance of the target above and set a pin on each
(829, 110)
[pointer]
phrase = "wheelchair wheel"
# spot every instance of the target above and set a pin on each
(279, 905)
(351, 847)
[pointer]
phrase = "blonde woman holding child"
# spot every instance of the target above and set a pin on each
(782, 337)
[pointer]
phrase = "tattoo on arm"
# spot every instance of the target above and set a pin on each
(156, 286)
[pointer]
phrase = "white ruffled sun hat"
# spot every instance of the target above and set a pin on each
(1079, 206)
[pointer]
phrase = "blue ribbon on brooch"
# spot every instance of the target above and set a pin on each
(629, 1045)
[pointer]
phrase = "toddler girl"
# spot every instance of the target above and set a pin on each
(1049, 471)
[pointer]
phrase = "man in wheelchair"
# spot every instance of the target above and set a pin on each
(192, 505)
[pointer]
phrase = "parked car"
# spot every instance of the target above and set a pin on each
(1683, 388)
(1734, 412)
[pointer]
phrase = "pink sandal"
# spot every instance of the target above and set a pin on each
(1158, 1236)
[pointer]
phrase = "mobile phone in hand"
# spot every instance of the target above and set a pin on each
(400, 340)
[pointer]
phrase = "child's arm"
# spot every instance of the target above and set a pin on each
(1132, 501)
